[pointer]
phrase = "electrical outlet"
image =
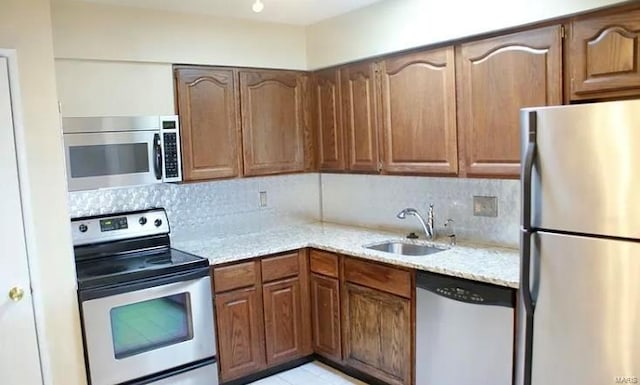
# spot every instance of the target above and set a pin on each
(263, 199)
(484, 206)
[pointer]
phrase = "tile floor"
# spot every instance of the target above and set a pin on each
(313, 373)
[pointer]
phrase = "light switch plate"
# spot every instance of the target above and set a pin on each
(263, 199)
(485, 206)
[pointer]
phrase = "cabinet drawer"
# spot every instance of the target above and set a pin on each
(235, 276)
(324, 263)
(281, 266)
(376, 276)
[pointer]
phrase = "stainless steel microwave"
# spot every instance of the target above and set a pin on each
(118, 151)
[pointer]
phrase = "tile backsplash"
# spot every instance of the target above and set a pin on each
(215, 208)
(233, 206)
(374, 201)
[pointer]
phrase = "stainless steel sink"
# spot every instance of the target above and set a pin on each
(403, 248)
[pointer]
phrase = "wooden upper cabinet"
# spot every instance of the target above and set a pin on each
(272, 121)
(498, 77)
(328, 120)
(418, 99)
(603, 56)
(210, 123)
(358, 90)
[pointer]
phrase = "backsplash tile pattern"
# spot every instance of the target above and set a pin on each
(215, 208)
(232, 206)
(374, 201)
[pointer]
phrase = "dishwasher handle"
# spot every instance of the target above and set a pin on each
(464, 290)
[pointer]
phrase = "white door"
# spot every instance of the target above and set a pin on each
(19, 359)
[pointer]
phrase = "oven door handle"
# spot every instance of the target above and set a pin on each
(157, 156)
(107, 291)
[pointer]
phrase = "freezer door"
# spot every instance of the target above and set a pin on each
(585, 168)
(586, 320)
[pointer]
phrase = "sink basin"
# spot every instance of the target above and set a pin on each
(403, 248)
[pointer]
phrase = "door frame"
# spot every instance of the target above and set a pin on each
(27, 211)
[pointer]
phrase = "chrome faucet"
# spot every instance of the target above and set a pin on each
(427, 225)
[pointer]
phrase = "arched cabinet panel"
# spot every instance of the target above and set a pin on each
(603, 56)
(498, 77)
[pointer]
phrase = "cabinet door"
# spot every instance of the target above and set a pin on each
(359, 105)
(378, 334)
(210, 122)
(240, 331)
(272, 121)
(283, 320)
(328, 120)
(498, 77)
(325, 316)
(603, 56)
(418, 102)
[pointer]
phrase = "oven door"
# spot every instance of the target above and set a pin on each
(111, 159)
(142, 332)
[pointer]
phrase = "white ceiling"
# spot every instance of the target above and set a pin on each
(297, 12)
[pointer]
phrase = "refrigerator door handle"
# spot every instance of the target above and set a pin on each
(525, 323)
(527, 170)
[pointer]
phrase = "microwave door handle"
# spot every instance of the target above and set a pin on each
(157, 156)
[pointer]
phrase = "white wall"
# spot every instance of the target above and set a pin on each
(114, 60)
(99, 88)
(25, 25)
(394, 25)
(83, 30)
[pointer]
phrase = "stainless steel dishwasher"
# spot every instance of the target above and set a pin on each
(464, 331)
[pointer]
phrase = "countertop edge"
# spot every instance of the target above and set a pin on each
(377, 258)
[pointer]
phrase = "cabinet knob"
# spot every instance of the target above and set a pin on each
(16, 294)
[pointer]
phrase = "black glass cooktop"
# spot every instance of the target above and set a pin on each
(127, 267)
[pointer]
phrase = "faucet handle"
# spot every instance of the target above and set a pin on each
(430, 211)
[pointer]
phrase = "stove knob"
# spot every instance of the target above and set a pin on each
(142, 221)
(158, 222)
(83, 228)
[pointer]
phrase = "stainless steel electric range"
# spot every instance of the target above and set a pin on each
(147, 309)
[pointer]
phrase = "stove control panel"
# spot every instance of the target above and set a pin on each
(111, 224)
(115, 227)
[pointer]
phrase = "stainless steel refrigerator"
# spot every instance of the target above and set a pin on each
(579, 302)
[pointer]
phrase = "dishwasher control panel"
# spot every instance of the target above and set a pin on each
(464, 290)
(460, 294)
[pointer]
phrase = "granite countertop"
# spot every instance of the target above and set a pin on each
(496, 265)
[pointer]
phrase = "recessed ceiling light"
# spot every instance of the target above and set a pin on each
(258, 6)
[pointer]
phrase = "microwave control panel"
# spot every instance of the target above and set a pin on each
(170, 155)
(172, 168)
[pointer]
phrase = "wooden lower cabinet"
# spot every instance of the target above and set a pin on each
(240, 331)
(262, 310)
(274, 310)
(378, 333)
(325, 316)
(283, 321)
